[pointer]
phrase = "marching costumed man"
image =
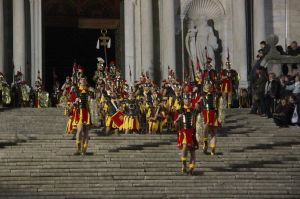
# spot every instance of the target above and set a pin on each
(226, 84)
(168, 92)
(199, 81)
(229, 83)
(5, 91)
(131, 114)
(82, 117)
(209, 73)
(99, 73)
(210, 117)
(41, 97)
(112, 69)
(70, 112)
(186, 140)
(20, 91)
(114, 116)
(175, 105)
(154, 116)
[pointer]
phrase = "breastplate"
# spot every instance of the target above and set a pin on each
(187, 120)
(209, 102)
(84, 100)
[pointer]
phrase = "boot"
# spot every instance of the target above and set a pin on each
(229, 105)
(84, 149)
(183, 160)
(78, 151)
(205, 146)
(213, 151)
(191, 168)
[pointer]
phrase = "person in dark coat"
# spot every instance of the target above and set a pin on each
(272, 93)
(283, 113)
(258, 88)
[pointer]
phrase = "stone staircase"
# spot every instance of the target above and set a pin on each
(255, 159)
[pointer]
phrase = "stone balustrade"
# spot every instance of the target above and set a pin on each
(274, 60)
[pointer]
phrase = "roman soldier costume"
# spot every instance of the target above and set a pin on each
(154, 117)
(41, 97)
(20, 91)
(82, 117)
(186, 140)
(131, 114)
(5, 91)
(210, 116)
(70, 112)
(209, 73)
(114, 117)
(99, 73)
(227, 83)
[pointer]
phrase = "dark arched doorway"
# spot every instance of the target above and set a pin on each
(71, 31)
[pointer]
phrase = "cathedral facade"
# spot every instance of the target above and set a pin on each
(147, 35)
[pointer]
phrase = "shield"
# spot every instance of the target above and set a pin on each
(24, 93)
(221, 110)
(6, 94)
(94, 112)
(117, 118)
(199, 127)
(43, 98)
(63, 100)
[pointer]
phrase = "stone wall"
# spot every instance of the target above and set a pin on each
(294, 20)
(276, 12)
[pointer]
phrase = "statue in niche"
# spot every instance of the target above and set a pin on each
(190, 43)
(204, 38)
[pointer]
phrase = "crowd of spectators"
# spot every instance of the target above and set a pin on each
(276, 97)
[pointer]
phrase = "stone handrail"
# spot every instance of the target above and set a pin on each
(273, 60)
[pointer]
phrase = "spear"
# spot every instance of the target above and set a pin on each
(193, 70)
(13, 65)
(130, 74)
(206, 54)
(228, 57)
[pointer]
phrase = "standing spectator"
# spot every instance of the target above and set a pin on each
(283, 82)
(294, 49)
(272, 92)
(258, 94)
(264, 47)
(295, 87)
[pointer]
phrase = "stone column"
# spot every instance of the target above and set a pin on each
(168, 54)
(138, 40)
(147, 36)
(259, 30)
(36, 39)
(1, 38)
(239, 42)
(19, 36)
(129, 38)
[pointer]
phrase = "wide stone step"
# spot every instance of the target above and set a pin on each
(255, 159)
